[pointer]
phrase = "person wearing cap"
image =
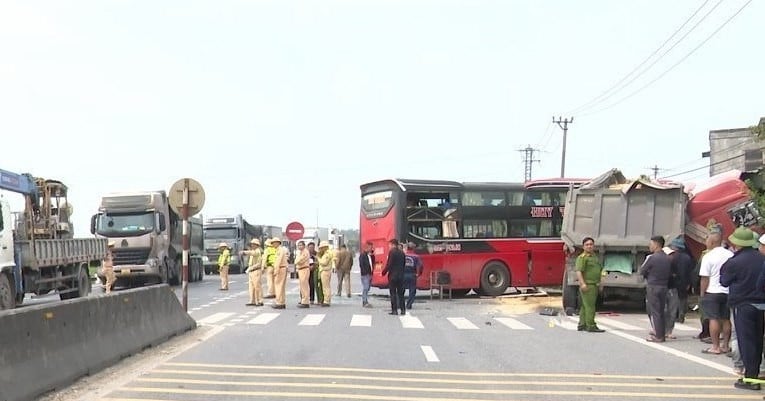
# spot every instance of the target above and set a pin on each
(302, 264)
(412, 270)
(267, 264)
(684, 266)
(740, 274)
(224, 259)
(657, 270)
(281, 261)
(255, 273)
(589, 272)
(325, 272)
(107, 267)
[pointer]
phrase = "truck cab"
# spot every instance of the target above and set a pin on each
(232, 231)
(138, 224)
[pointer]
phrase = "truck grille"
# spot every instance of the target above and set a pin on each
(133, 256)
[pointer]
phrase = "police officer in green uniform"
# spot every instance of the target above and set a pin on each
(588, 271)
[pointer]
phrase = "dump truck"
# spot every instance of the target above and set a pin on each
(235, 231)
(622, 215)
(38, 253)
(147, 236)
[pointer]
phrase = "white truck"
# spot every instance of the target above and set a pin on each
(37, 252)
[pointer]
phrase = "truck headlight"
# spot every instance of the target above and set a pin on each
(205, 259)
(152, 263)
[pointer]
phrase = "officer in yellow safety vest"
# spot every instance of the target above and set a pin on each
(269, 257)
(107, 268)
(224, 259)
(255, 273)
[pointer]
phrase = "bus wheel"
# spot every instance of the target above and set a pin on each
(494, 279)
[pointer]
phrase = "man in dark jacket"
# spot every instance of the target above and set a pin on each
(740, 274)
(684, 266)
(394, 269)
(366, 264)
(657, 270)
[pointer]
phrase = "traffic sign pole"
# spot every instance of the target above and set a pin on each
(185, 217)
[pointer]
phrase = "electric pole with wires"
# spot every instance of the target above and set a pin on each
(563, 124)
(655, 170)
(528, 161)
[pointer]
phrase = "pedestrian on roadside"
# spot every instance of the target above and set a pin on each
(224, 259)
(325, 272)
(741, 274)
(107, 267)
(254, 273)
(302, 260)
(281, 261)
(684, 266)
(589, 272)
(366, 266)
(394, 269)
(412, 271)
(738, 364)
(344, 264)
(670, 307)
(313, 278)
(657, 270)
(714, 296)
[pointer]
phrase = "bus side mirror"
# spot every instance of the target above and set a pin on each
(93, 223)
(162, 224)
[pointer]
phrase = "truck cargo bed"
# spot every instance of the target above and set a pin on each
(53, 252)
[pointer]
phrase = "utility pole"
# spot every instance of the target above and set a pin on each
(655, 170)
(528, 161)
(563, 124)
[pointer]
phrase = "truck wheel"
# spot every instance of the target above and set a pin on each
(164, 276)
(83, 286)
(7, 296)
(494, 279)
(570, 296)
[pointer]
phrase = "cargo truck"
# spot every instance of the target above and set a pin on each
(148, 238)
(235, 231)
(622, 215)
(37, 252)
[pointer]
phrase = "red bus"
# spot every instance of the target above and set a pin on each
(488, 236)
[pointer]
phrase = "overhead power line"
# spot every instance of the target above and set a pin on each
(672, 67)
(707, 166)
(605, 95)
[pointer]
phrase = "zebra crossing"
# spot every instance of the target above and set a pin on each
(410, 321)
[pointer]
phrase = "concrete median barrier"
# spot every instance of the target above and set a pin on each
(47, 347)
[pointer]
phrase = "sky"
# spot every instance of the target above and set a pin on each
(282, 109)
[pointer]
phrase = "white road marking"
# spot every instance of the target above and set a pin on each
(228, 324)
(430, 355)
(237, 320)
(264, 318)
(195, 309)
(205, 306)
(462, 323)
(678, 326)
(312, 320)
(566, 324)
(512, 323)
(215, 318)
(410, 322)
(361, 321)
(619, 325)
(669, 350)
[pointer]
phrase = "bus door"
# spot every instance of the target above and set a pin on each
(546, 262)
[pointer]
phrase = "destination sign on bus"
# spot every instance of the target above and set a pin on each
(544, 211)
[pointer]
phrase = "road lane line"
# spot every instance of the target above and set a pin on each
(462, 323)
(312, 320)
(264, 318)
(650, 382)
(215, 318)
(619, 325)
(410, 322)
(430, 355)
(512, 323)
(438, 373)
(469, 391)
(669, 350)
(361, 321)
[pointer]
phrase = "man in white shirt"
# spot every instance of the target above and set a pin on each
(714, 297)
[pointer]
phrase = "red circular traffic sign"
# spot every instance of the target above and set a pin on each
(295, 231)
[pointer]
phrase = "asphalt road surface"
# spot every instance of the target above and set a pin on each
(461, 349)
